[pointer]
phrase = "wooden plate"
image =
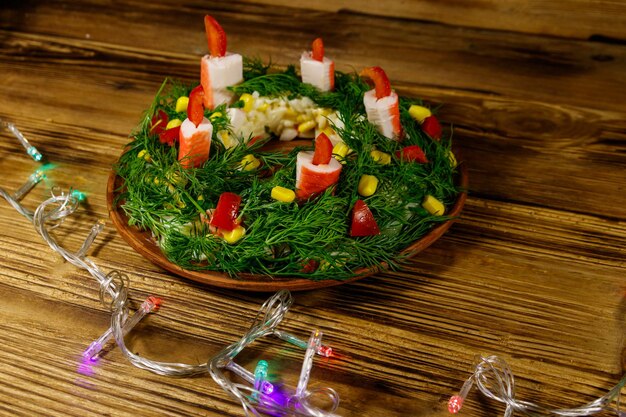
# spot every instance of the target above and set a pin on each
(143, 243)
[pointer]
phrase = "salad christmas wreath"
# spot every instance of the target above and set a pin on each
(263, 175)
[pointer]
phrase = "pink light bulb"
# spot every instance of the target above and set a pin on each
(455, 404)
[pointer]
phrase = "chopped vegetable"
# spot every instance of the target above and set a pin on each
(381, 82)
(433, 206)
(250, 162)
(381, 157)
(363, 222)
(158, 122)
(173, 123)
(226, 213)
(170, 136)
(419, 113)
(318, 50)
(233, 236)
(412, 153)
(248, 102)
(283, 194)
(432, 127)
(215, 36)
(323, 150)
(181, 104)
(367, 185)
(195, 109)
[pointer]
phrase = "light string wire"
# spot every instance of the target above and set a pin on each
(52, 213)
(494, 379)
(299, 404)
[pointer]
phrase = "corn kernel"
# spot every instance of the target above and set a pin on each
(306, 126)
(200, 198)
(433, 206)
(301, 118)
(226, 139)
(181, 104)
(173, 123)
(452, 159)
(248, 102)
(340, 150)
(215, 115)
(249, 162)
(290, 112)
(381, 157)
(157, 181)
(233, 236)
(419, 113)
(262, 108)
(367, 185)
(143, 154)
(283, 194)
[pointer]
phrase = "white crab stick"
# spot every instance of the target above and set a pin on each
(321, 74)
(384, 113)
(217, 73)
(312, 179)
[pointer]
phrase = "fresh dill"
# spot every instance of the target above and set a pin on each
(283, 238)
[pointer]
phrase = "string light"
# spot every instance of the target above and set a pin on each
(30, 149)
(323, 350)
(495, 380)
(150, 305)
(281, 400)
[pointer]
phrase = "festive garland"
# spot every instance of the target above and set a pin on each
(403, 186)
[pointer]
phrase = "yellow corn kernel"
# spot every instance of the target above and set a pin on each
(215, 115)
(452, 159)
(433, 206)
(325, 112)
(200, 198)
(283, 194)
(262, 107)
(157, 181)
(340, 150)
(180, 203)
(367, 185)
(419, 113)
(306, 126)
(176, 178)
(249, 162)
(381, 157)
(173, 123)
(143, 154)
(226, 139)
(181, 104)
(301, 118)
(290, 112)
(233, 236)
(248, 102)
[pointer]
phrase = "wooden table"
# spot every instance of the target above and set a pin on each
(533, 271)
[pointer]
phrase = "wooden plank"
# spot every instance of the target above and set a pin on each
(572, 19)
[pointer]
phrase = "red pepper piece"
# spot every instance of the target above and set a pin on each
(381, 82)
(158, 122)
(318, 50)
(432, 127)
(310, 266)
(195, 108)
(323, 150)
(215, 36)
(412, 153)
(363, 222)
(170, 136)
(226, 212)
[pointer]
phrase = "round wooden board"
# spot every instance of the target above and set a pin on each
(143, 243)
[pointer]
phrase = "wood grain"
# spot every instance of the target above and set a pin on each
(533, 271)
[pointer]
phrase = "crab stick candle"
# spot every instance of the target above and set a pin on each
(318, 170)
(316, 69)
(382, 105)
(219, 69)
(195, 133)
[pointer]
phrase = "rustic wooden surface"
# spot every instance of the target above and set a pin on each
(534, 271)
